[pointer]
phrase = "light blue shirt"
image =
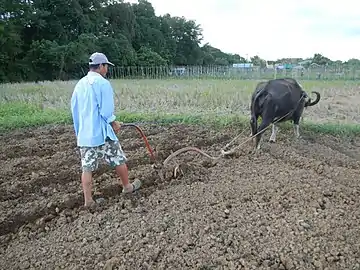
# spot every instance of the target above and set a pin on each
(92, 108)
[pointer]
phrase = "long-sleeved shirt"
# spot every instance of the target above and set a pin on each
(92, 108)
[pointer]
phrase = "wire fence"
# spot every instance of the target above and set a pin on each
(226, 72)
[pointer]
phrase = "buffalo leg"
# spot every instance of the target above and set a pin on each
(253, 124)
(296, 126)
(296, 119)
(273, 134)
(264, 124)
(296, 131)
(267, 117)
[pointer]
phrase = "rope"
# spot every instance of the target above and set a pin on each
(195, 149)
(223, 152)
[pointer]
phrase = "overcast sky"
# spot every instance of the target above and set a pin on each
(274, 29)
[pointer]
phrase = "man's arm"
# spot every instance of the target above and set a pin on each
(106, 102)
(74, 112)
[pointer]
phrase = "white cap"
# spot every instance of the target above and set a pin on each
(99, 58)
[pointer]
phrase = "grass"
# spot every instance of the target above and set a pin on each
(216, 102)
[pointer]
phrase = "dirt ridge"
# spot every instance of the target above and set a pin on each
(294, 205)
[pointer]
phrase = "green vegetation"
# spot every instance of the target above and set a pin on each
(52, 40)
(207, 102)
(21, 115)
(47, 40)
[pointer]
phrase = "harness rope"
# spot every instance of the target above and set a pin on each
(195, 149)
(222, 154)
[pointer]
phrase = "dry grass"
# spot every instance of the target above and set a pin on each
(340, 101)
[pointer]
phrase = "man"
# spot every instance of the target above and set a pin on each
(92, 108)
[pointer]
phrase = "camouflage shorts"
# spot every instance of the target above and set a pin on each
(111, 152)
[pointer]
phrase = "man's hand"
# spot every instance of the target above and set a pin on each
(116, 126)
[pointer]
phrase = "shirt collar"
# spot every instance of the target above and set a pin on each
(91, 76)
(93, 73)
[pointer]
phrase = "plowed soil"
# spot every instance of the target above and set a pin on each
(294, 205)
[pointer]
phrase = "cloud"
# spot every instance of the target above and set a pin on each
(274, 29)
(340, 21)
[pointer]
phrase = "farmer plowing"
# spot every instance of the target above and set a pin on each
(95, 124)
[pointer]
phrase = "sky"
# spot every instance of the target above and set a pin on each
(274, 29)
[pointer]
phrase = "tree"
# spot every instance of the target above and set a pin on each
(320, 60)
(52, 39)
(257, 61)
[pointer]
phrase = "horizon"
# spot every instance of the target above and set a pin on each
(302, 29)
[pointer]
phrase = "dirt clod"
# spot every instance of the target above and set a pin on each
(294, 205)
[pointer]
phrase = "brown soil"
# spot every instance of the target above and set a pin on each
(294, 205)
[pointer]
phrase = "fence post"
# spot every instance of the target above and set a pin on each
(226, 72)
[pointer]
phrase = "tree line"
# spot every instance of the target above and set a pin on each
(52, 39)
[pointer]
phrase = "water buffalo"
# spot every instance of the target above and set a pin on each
(273, 100)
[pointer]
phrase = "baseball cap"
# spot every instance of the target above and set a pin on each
(99, 58)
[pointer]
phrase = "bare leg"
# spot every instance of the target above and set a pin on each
(296, 131)
(122, 172)
(273, 134)
(86, 180)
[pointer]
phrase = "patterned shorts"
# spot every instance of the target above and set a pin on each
(111, 152)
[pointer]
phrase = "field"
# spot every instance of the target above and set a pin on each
(293, 205)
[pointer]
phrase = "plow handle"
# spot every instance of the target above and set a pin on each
(152, 156)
